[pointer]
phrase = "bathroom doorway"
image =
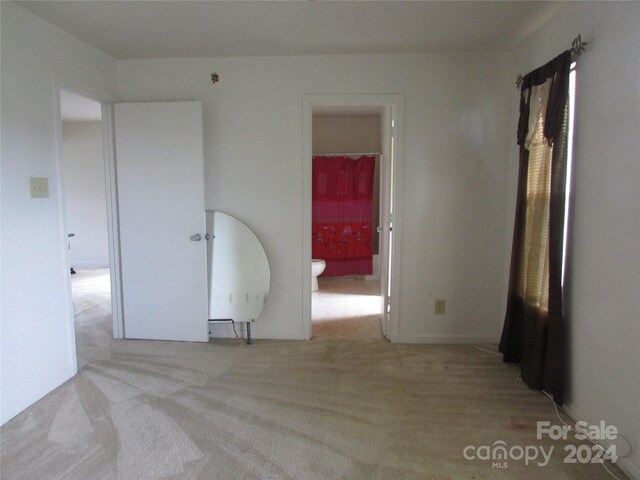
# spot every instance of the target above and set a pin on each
(347, 153)
(84, 192)
(353, 129)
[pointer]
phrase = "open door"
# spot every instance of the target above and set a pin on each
(385, 229)
(160, 178)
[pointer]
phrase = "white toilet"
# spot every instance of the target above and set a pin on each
(317, 267)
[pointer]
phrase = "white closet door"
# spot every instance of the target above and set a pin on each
(160, 170)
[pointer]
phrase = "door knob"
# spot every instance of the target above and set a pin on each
(196, 237)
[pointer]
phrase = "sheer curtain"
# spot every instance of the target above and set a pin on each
(534, 328)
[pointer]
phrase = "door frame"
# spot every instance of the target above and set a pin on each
(69, 84)
(113, 225)
(393, 106)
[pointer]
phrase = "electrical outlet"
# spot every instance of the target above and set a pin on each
(439, 306)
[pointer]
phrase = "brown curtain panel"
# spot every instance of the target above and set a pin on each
(534, 329)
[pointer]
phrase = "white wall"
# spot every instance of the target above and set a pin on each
(346, 133)
(455, 145)
(84, 194)
(603, 304)
(38, 351)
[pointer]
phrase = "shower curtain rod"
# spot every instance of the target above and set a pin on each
(577, 48)
(345, 154)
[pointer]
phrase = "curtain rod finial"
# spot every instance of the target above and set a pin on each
(578, 46)
(519, 80)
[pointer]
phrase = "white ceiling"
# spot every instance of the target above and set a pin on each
(75, 108)
(156, 29)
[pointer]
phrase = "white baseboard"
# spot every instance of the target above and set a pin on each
(15, 402)
(89, 264)
(448, 339)
(630, 468)
(225, 330)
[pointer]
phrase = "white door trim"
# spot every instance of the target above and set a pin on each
(108, 143)
(394, 103)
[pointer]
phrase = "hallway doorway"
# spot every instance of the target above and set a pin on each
(86, 221)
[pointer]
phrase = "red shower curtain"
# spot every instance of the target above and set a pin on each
(342, 220)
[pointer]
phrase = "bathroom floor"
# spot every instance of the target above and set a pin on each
(346, 307)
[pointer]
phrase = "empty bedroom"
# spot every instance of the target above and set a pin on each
(338, 240)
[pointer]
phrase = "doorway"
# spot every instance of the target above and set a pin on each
(346, 233)
(84, 192)
(382, 285)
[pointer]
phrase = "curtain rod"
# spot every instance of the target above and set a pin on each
(345, 154)
(577, 49)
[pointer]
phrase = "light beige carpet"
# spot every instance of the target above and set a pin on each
(342, 406)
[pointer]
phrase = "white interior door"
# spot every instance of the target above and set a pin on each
(160, 171)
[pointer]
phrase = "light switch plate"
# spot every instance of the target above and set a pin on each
(39, 187)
